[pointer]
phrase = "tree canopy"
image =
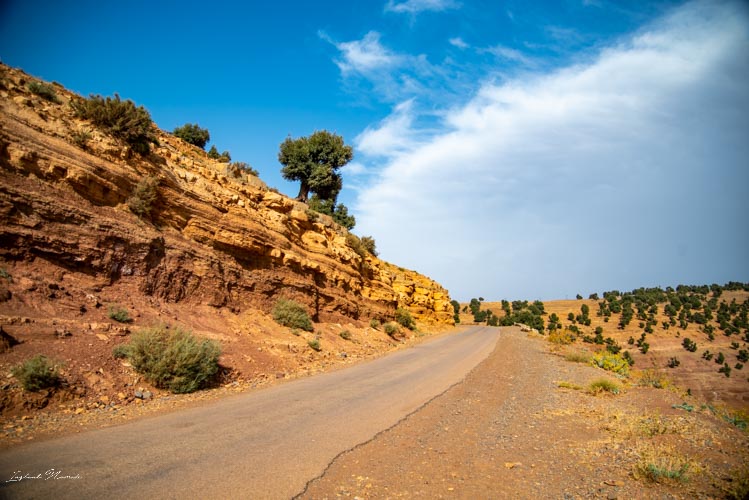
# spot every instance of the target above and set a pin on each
(314, 161)
(193, 134)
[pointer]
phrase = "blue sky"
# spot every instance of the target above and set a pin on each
(507, 149)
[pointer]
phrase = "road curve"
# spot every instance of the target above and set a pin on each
(265, 444)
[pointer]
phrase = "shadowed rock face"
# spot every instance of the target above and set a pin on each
(212, 237)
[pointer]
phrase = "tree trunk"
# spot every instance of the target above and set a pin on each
(303, 192)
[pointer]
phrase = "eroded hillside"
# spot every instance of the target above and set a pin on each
(216, 252)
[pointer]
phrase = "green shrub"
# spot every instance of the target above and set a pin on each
(314, 344)
(80, 138)
(292, 314)
(603, 385)
(356, 245)
(143, 197)
(403, 317)
(173, 359)
(243, 168)
(193, 134)
(689, 344)
(36, 374)
(119, 314)
(224, 157)
(611, 362)
(374, 323)
(391, 329)
(5, 275)
(369, 245)
(122, 119)
(44, 90)
(121, 351)
(345, 335)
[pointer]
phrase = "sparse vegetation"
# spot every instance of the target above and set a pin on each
(391, 329)
(80, 138)
(403, 317)
(659, 465)
(119, 314)
(314, 344)
(578, 357)
(374, 323)
(653, 378)
(611, 362)
(603, 385)
(292, 314)
(193, 134)
(173, 359)
(338, 212)
(242, 168)
(44, 90)
(144, 196)
(5, 275)
(359, 246)
(738, 488)
(569, 385)
(345, 335)
(689, 344)
(36, 374)
(224, 157)
(122, 119)
(121, 351)
(369, 245)
(562, 337)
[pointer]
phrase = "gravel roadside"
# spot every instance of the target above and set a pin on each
(509, 431)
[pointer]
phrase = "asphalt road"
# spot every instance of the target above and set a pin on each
(264, 444)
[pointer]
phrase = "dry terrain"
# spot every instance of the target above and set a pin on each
(217, 251)
(524, 425)
(214, 254)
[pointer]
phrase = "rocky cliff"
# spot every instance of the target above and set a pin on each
(215, 236)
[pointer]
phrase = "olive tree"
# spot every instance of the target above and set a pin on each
(314, 162)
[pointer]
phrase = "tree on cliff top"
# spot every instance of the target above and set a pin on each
(193, 134)
(314, 161)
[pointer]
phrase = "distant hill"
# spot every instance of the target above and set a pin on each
(681, 333)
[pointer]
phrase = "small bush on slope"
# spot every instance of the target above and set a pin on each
(292, 314)
(174, 359)
(122, 119)
(36, 374)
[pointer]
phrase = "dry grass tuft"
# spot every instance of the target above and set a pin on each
(663, 464)
(653, 378)
(569, 385)
(603, 385)
(578, 357)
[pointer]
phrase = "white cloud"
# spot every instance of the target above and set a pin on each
(391, 137)
(458, 42)
(393, 77)
(365, 55)
(416, 6)
(510, 54)
(354, 168)
(604, 175)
